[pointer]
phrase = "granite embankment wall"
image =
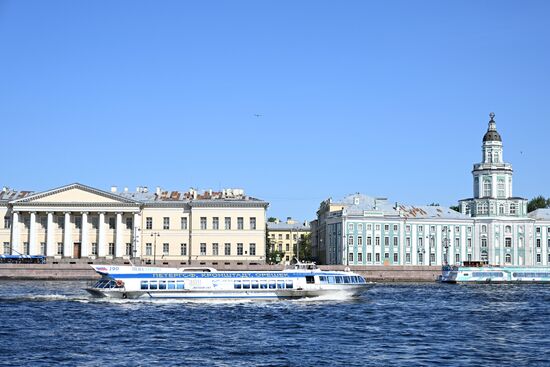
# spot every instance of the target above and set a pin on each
(82, 271)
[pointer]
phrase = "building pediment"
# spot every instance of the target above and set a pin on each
(74, 194)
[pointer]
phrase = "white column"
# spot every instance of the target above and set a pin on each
(119, 244)
(32, 235)
(67, 236)
(101, 245)
(136, 237)
(15, 235)
(84, 244)
(50, 245)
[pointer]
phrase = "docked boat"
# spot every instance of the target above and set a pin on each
(300, 280)
(478, 272)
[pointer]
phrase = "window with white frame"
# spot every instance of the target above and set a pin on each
(149, 223)
(386, 227)
(166, 223)
(240, 223)
(129, 223)
(359, 257)
(350, 227)
(111, 248)
(252, 223)
(508, 242)
(165, 249)
(539, 258)
(386, 241)
(508, 258)
(183, 223)
(360, 227)
(7, 248)
(484, 242)
(457, 242)
(60, 248)
(239, 249)
(203, 249)
(215, 249)
(377, 257)
(395, 258)
(369, 257)
(487, 187)
(227, 249)
(350, 257)
(500, 188)
(252, 249)
(408, 241)
(94, 248)
(7, 222)
(129, 249)
(408, 257)
(457, 258)
(148, 249)
(183, 249)
(538, 242)
(369, 240)
(377, 241)
(350, 240)
(359, 240)
(395, 241)
(227, 223)
(203, 223)
(395, 228)
(377, 227)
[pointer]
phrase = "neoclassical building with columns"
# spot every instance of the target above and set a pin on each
(77, 221)
(492, 226)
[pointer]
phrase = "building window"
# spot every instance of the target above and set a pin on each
(166, 223)
(408, 241)
(203, 222)
(359, 240)
(432, 241)
(457, 258)
(513, 209)
(469, 241)
(253, 223)
(484, 229)
(420, 229)
(350, 240)
(239, 249)
(432, 228)
(95, 222)
(508, 242)
(369, 241)
(508, 229)
(240, 223)
(508, 259)
(501, 209)
(148, 249)
(360, 227)
(94, 248)
(183, 249)
(228, 249)
(408, 258)
(538, 242)
(129, 223)
(149, 223)
(227, 223)
(280, 236)
(287, 236)
(377, 227)
(350, 227)
(78, 222)
(7, 223)
(386, 256)
(420, 242)
(215, 223)
(203, 249)
(386, 241)
(377, 241)
(183, 222)
(350, 258)
(60, 221)
(386, 227)
(369, 257)
(60, 248)
(469, 257)
(538, 258)
(42, 248)
(457, 242)
(395, 258)
(287, 247)
(215, 249)
(252, 249)
(111, 249)
(484, 242)
(377, 257)
(280, 247)
(395, 227)
(359, 257)
(420, 258)
(165, 249)
(129, 249)
(408, 228)
(487, 187)
(538, 230)
(500, 188)
(26, 248)
(111, 222)
(369, 227)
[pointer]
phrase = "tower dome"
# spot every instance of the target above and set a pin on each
(492, 133)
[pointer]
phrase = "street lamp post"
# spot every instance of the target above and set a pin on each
(155, 235)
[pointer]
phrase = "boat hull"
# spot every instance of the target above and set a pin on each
(495, 274)
(193, 294)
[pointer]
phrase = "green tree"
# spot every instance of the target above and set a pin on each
(538, 202)
(456, 208)
(304, 246)
(272, 219)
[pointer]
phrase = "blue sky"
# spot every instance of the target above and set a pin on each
(387, 98)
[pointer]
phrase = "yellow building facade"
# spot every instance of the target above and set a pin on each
(284, 237)
(81, 222)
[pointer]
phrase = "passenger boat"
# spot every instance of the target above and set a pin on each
(479, 272)
(300, 280)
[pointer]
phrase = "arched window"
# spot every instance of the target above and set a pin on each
(501, 209)
(484, 229)
(487, 187)
(508, 229)
(484, 256)
(508, 259)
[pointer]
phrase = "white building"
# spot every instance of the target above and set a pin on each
(493, 225)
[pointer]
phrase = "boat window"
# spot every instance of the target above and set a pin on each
(323, 278)
(246, 284)
(171, 284)
(238, 284)
(331, 279)
(263, 284)
(353, 279)
(289, 284)
(153, 284)
(281, 284)
(254, 284)
(180, 284)
(272, 284)
(346, 279)
(144, 284)
(162, 284)
(339, 279)
(310, 279)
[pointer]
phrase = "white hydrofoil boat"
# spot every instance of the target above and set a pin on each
(301, 280)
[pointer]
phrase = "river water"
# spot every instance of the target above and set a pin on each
(56, 323)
